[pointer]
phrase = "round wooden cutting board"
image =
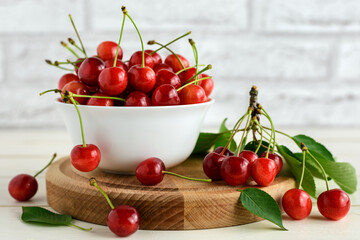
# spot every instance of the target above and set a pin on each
(174, 204)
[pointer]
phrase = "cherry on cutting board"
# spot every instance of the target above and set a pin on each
(212, 165)
(278, 160)
(249, 155)
(263, 171)
(235, 170)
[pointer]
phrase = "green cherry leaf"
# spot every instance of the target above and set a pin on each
(253, 145)
(205, 141)
(311, 166)
(295, 166)
(223, 139)
(314, 146)
(42, 215)
(261, 204)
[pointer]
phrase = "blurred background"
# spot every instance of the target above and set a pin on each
(304, 55)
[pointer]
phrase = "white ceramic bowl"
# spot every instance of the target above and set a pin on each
(128, 135)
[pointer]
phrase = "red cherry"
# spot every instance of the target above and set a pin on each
(136, 59)
(137, 99)
(172, 61)
(77, 88)
(263, 171)
(78, 62)
(100, 101)
(333, 204)
(23, 187)
(206, 84)
(85, 159)
(187, 74)
(162, 66)
(123, 220)
(167, 77)
(90, 70)
(157, 58)
(165, 95)
(249, 155)
(110, 63)
(235, 170)
(227, 152)
(192, 94)
(212, 165)
(150, 171)
(107, 50)
(297, 203)
(65, 79)
(278, 160)
(141, 79)
(113, 81)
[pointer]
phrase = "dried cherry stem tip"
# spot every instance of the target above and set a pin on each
(94, 184)
(188, 178)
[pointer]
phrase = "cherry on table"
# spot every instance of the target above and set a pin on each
(167, 77)
(162, 66)
(235, 170)
(157, 58)
(107, 50)
(263, 171)
(297, 203)
(212, 165)
(110, 63)
(90, 70)
(137, 98)
(23, 187)
(77, 88)
(85, 159)
(165, 95)
(192, 94)
(113, 81)
(278, 160)
(249, 155)
(65, 79)
(174, 63)
(136, 59)
(100, 101)
(333, 204)
(141, 79)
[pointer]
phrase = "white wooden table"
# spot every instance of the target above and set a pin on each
(27, 151)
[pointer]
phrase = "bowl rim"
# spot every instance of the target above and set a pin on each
(209, 102)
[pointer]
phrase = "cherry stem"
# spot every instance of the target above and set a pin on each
(259, 143)
(118, 47)
(246, 130)
(52, 159)
(101, 97)
(263, 129)
(196, 81)
(272, 132)
(142, 43)
(321, 167)
(303, 149)
(196, 56)
(68, 48)
(94, 184)
(177, 57)
(188, 178)
(81, 124)
(72, 42)
(201, 71)
(51, 90)
(85, 229)
(78, 36)
(52, 64)
(184, 69)
(168, 43)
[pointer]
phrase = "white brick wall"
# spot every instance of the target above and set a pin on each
(304, 55)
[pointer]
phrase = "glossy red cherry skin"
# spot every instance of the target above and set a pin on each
(297, 203)
(23, 187)
(77, 88)
(212, 165)
(141, 79)
(227, 151)
(263, 171)
(123, 220)
(165, 95)
(249, 155)
(90, 70)
(206, 84)
(172, 61)
(157, 58)
(137, 99)
(167, 77)
(334, 204)
(235, 170)
(136, 59)
(119, 63)
(162, 66)
(186, 75)
(100, 101)
(78, 62)
(113, 81)
(107, 50)
(85, 159)
(278, 160)
(65, 79)
(150, 171)
(192, 94)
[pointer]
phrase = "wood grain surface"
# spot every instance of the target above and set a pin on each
(174, 204)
